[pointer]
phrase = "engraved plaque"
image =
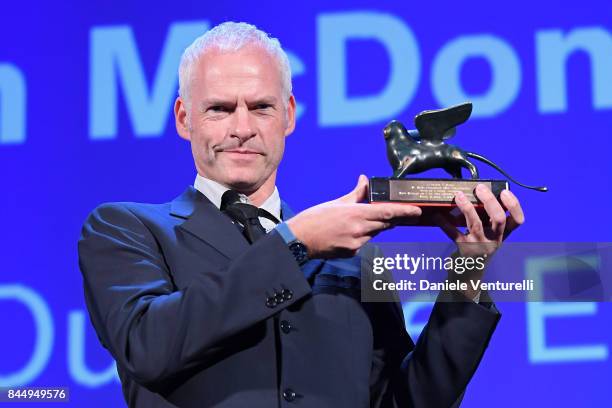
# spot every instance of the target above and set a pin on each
(433, 196)
(428, 191)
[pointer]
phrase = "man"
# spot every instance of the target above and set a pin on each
(202, 308)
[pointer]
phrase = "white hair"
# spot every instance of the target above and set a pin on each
(230, 37)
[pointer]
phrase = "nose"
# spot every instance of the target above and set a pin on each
(242, 127)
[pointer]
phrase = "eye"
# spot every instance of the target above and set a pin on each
(217, 108)
(263, 106)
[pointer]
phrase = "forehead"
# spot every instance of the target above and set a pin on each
(249, 71)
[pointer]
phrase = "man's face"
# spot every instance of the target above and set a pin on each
(237, 119)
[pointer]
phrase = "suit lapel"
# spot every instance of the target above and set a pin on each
(206, 222)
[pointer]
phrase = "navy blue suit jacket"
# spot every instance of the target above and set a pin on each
(182, 302)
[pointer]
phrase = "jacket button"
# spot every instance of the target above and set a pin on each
(285, 326)
(289, 395)
(271, 302)
(287, 294)
(279, 298)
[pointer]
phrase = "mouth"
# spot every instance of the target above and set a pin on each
(242, 155)
(241, 151)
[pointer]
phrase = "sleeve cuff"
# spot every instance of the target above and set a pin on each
(285, 232)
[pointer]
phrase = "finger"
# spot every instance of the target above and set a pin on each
(358, 194)
(390, 211)
(494, 210)
(447, 227)
(516, 217)
(472, 219)
(373, 228)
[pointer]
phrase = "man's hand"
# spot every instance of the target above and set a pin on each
(483, 240)
(340, 227)
(499, 226)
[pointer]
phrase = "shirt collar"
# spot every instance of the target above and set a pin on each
(214, 191)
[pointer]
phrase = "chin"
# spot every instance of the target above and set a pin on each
(244, 182)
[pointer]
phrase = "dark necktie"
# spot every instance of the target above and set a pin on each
(246, 215)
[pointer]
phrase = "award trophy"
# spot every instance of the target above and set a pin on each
(415, 151)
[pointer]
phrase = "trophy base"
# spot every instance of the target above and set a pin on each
(433, 196)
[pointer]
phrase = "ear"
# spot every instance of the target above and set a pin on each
(290, 116)
(180, 119)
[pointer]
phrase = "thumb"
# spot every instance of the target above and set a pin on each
(358, 194)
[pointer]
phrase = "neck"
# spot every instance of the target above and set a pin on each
(260, 195)
(257, 196)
